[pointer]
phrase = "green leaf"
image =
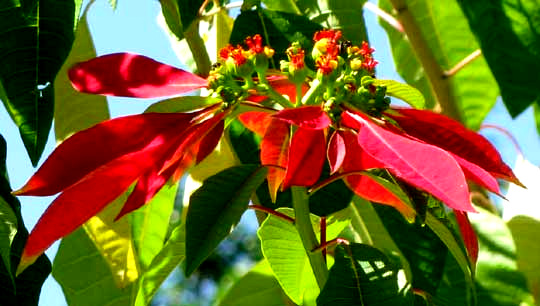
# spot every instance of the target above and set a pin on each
(75, 111)
(424, 252)
(363, 275)
(278, 29)
(537, 116)
(257, 287)
(453, 289)
(170, 256)
(113, 4)
(149, 225)
(216, 207)
(344, 15)
(513, 56)
(404, 92)
(525, 231)
(8, 229)
(448, 36)
(97, 286)
(36, 38)
(27, 284)
(181, 104)
(283, 249)
(498, 280)
(287, 6)
(179, 14)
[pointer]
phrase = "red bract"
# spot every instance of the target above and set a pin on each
(275, 152)
(104, 160)
(132, 75)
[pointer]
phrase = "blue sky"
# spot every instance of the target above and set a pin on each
(133, 27)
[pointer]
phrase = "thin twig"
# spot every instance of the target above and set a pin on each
(384, 16)
(330, 243)
(506, 133)
(464, 62)
(329, 180)
(323, 235)
(272, 212)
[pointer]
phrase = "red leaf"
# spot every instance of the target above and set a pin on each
(257, 122)
(308, 117)
(306, 158)
(336, 151)
(469, 236)
(132, 75)
(89, 149)
(210, 141)
(452, 136)
(274, 151)
(90, 195)
(422, 165)
(478, 175)
(364, 186)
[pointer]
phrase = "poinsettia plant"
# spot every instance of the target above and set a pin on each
(320, 121)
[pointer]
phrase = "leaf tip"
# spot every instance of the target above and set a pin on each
(25, 262)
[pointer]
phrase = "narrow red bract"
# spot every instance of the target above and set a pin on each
(132, 75)
(307, 153)
(257, 122)
(422, 165)
(336, 151)
(469, 236)
(274, 152)
(453, 137)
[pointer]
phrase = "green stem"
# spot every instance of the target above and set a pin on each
(298, 94)
(305, 230)
(314, 91)
(440, 83)
(280, 99)
(198, 49)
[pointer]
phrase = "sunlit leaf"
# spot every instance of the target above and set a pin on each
(132, 75)
(275, 151)
(257, 122)
(97, 287)
(169, 257)
(216, 207)
(403, 92)
(74, 111)
(181, 104)
(515, 69)
(363, 275)
(336, 151)
(450, 39)
(8, 229)
(42, 34)
(307, 153)
(257, 287)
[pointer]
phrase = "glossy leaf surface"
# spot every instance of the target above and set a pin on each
(307, 153)
(132, 75)
(404, 92)
(42, 34)
(216, 207)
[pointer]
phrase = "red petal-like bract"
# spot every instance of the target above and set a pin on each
(422, 165)
(91, 194)
(210, 141)
(308, 117)
(364, 186)
(132, 75)
(336, 151)
(281, 84)
(478, 175)
(453, 137)
(274, 152)
(257, 122)
(469, 236)
(87, 150)
(306, 158)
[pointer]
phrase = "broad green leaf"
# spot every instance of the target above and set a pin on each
(525, 232)
(181, 104)
(74, 111)
(114, 242)
(363, 275)
(170, 256)
(287, 6)
(85, 276)
(344, 15)
(179, 14)
(257, 287)
(149, 225)
(513, 56)
(283, 249)
(453, 288)
(216, 207)
(8, 229)
(25, 288)
(424, 252)
(278, 29)
(403, 92)
(42, 34)
(448, 36)
(498, 280)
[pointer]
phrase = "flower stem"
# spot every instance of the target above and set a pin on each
(281, 100)
(305, 230)
(313, 92)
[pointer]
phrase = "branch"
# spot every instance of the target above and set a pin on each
(198, 49)
(440, 84)
(464, 62)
